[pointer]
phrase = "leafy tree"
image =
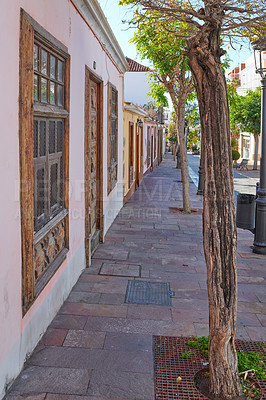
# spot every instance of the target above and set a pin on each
(170, 75)
(193, 121)
(245, 114)
(208, 23)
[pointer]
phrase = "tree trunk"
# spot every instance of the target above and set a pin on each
(179, 106)
(180, 112)
(175, 148)
(255, 165)
(219, 228)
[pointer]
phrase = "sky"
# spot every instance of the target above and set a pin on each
(115, 14)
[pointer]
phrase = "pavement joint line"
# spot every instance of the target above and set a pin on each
(193, 176)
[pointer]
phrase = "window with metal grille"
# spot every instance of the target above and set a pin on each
(48, 170)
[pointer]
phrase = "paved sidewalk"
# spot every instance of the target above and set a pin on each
(98, 347)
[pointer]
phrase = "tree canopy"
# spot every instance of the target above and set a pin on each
(245, 111)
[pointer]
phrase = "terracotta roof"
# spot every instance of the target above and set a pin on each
(134, 66)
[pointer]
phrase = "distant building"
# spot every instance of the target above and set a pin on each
(247, 79)
(137, 83)
(61, 160)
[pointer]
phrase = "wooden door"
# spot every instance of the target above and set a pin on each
(137, 156)
(130, 154)
(92, 166)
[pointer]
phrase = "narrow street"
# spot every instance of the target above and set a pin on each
(244, 181)
(99, 347)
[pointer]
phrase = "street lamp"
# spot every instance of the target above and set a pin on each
(140, 122)
(259, 247)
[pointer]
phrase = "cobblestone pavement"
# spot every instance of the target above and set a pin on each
(98, 347)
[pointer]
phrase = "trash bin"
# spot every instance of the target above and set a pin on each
(245, 211)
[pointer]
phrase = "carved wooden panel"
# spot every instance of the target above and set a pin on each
(92, 165)
(48, 248)
(93, 155)
(112, 129)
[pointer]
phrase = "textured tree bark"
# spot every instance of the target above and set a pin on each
(219, 228)
(180, 111)
(179, 107)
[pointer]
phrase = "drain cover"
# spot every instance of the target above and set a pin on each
(143, 292)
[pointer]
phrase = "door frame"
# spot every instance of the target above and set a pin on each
(137, 156)
(89, 75)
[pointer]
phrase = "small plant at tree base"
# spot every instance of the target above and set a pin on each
(249, 389)
(250, 361)
(201, 343)
(186, 354)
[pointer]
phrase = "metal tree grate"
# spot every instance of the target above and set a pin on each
(152, 293)
(174, 359)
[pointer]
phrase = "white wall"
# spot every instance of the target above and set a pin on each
(137, 87)
(18, 335)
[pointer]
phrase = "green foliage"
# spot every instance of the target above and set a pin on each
(245, 111)
(161, 47)
(250, 391)
(233, 143)
(157, 92)
(246, 361)
(186, 354)
(201, 343)
(252, 360)
(193, 138)
(235, 155)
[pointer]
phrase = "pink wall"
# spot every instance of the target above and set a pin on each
(19, 336)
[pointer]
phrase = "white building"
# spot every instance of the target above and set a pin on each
(248, 79)
(137, 83)
(61, 160)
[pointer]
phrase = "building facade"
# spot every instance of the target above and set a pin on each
(61, 160)
(133, 148)
(246, 78)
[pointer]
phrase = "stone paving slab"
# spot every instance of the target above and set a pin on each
(130, 270)
(98, 347)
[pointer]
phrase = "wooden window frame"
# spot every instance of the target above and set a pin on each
(30, 31)
(112, 162)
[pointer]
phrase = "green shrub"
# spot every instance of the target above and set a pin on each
(235, 155)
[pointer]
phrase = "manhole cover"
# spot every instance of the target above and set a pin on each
(143, 292)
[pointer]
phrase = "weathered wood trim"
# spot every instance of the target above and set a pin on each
(45, 37)
(100, 165)
(130, 192)
(49, 111)
(90, 76)
(51, 224)
(86, 170)
(53, 267)
(26, 158)
(30, 30)
(109, 134)
(66, 146)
